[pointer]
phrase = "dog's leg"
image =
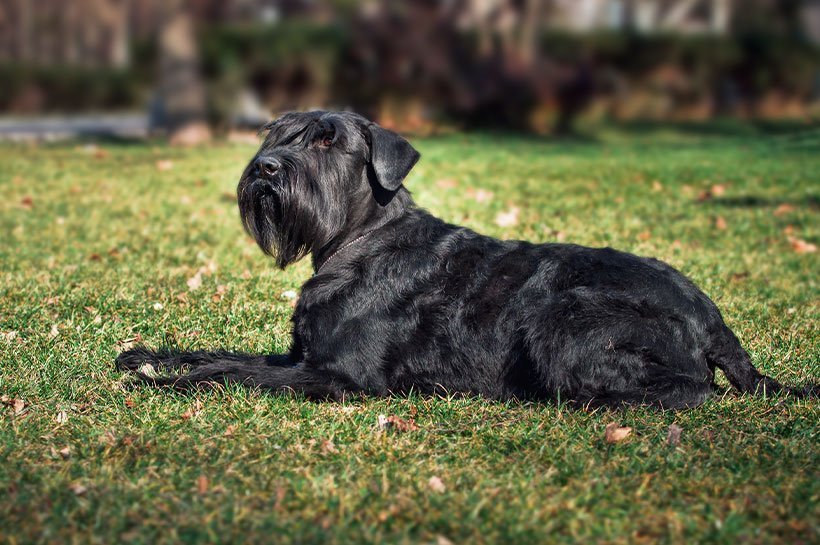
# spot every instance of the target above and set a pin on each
(728, 355)
(275, 373)
(173, 360)
(673, 393)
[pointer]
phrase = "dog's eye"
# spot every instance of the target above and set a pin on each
(326, 141)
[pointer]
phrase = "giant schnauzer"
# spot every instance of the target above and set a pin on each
(402, 301)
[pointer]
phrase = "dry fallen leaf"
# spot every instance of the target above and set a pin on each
(657, 186)
(328, 446)
(436, 484)
(220, 293)
(54, 333)
(65, 453)
(482, 195)
(673, 435)
(718, 190)
(193, 411)
(61, 417)
(129, 343)
(801, 246)
(230, 430)
(27, 203)
(78, 489)
(164, 165)
(399, 424)
(289, 295)
(195, 282)
(615, 433)
(783, 209)
(202, 485)
(644, 235)
(720, 223)
(508, 218)
(446, 183)
(18, 405)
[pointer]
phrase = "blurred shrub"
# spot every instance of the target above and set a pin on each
(28, 89)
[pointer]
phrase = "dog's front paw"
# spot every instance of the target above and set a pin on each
(136, 359)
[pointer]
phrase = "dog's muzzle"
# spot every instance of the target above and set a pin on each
(266, 168)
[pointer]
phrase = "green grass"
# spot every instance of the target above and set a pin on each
(97, 247)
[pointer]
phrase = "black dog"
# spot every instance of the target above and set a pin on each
(402, 301)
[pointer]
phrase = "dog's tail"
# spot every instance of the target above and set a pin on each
(192, 370)
(727, 354)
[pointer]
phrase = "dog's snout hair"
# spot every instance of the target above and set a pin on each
(401, 301)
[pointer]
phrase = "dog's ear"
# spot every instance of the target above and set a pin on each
(391, 155)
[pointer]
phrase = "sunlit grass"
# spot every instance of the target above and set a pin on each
(97, 245)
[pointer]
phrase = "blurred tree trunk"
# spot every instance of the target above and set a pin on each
(180, 108)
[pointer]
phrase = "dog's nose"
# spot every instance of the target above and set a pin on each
(266, 167)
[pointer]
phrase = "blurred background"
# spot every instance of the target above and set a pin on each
(192, 69)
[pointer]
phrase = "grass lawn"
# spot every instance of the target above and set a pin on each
(101, 247)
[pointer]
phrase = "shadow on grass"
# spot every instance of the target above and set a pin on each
(756, 201)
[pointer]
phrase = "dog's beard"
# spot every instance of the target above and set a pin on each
(287, 217)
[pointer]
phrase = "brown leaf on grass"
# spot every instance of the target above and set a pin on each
(718, 190)
(402, 425)
(738, 276)
(436, 484)
(54, 332)
(129, 343)
(220, 293)
(228, 196)
(230, 430)
(394, 422)
(18, 405)
(644, 236)
(94, 257)
(657, 186)
(783, 209)
(193, 411)
(508, 218)
(78, 489)
(801, 246)
(481, 195)
(62, 417)
(616, 434)
(720, 223)
(181, 297)
(246, 275)
(280, 497)
(27, 202)
(328, 446)
(164, 165)
(673, 435)
(195, 282)
(130, 403)
(202, 485)
(65, 453)
(446, 183)
(441, 540)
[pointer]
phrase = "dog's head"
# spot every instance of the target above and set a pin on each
(317, 175)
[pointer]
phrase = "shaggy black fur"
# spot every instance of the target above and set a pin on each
(402, 301)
